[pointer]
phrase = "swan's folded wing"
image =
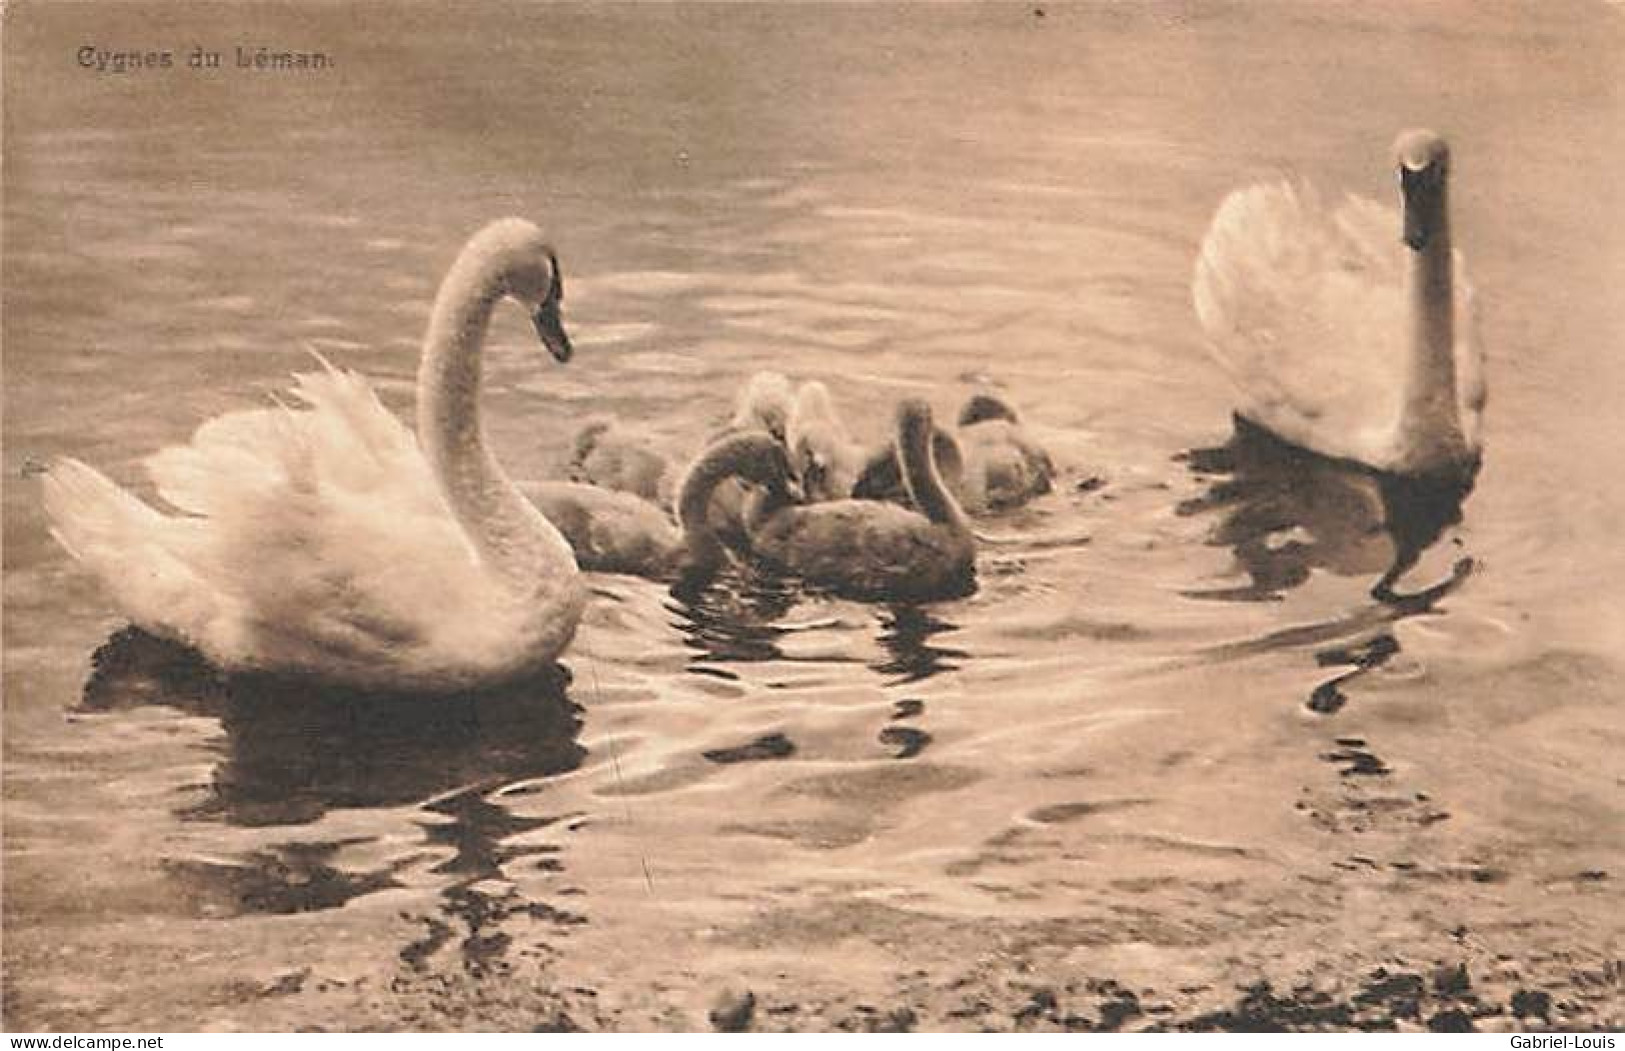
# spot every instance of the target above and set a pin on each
(237, 449)
(342, 438)
(325, 529)
(1472, 388)
(332, 576)
(1303, 309)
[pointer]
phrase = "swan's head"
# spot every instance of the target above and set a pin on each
(1424, 162)
(764, 404)
(759, 460)
(524, 267)
(981, 407)
(1420, 149)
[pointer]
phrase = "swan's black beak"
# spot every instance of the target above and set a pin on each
(550, 329)
(1424, 201)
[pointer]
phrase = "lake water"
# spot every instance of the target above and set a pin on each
(1169, 750)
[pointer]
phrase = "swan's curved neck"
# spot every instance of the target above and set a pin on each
(747, 456)
(917, 461)
(508, 533)
(1430, 427)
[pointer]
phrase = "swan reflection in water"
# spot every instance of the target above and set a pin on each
(731, 615)
(735, 619)
(738, 617)
(294, 750)
(1285, 512)
(905, 635)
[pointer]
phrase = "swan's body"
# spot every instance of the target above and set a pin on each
(612, 512)
(611, 531)
(864, 548)
(325, 541)
(1004, 467)
(614, 456)
(1342, 337)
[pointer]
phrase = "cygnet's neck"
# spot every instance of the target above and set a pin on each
(753, 457)
(915, 438)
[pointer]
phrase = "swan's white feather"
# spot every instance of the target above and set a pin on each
(148, 561)
(1304, 308)
(315, 538)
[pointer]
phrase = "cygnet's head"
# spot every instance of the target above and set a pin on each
(764, 403)
(981, 407)
(1423, 158)
(752, 457)
(520, 264)
(821, 451)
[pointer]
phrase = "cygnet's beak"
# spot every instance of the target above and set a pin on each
(813, 477)
(550, 330)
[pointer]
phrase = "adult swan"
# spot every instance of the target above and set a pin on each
(324, 541)
(1343, 338)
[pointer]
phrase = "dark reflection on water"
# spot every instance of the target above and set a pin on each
(730, 617)
(294, 750)
(478, 832)
(479, 835)
(1374, 652)
(735, 617)
(905, 635)
(281, 879)
(1286, 512)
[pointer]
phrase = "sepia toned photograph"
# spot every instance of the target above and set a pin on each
(1000, 517)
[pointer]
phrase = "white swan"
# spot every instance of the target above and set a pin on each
(1343, 337)
(326, 541)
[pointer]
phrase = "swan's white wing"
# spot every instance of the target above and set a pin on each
(346, 439)
(350, 553)
(147, 561)
(1303, 307)
(320, 540)
(1472, 388)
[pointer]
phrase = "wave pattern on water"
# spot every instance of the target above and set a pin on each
(1166, 743)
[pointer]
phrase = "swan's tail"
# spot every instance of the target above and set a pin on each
(142, 557)
(90, 515)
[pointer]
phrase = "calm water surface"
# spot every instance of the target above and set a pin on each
(1170, 739)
